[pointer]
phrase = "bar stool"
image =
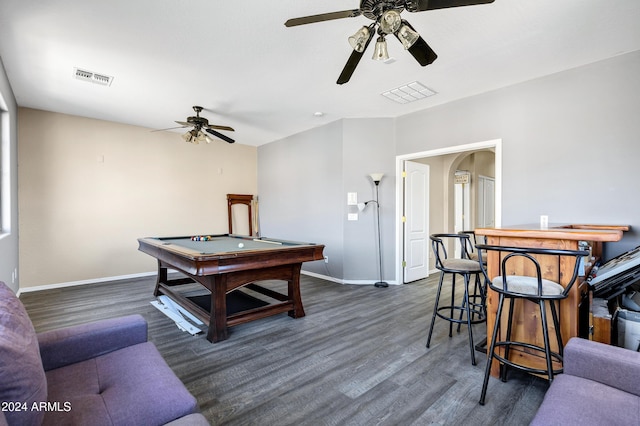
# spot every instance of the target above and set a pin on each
(457, 266)
(532, 287)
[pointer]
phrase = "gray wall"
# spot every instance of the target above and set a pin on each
(570, 150)
(369, 147)
(300, 192)
(571, 143)
(303, 182)
(9, 185)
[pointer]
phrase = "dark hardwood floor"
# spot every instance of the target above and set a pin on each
(357, 358)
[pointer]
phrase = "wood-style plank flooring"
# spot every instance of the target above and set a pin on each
(357, 358)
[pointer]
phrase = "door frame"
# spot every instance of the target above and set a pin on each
(495, 144)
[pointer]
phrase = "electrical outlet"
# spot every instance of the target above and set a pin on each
(326, 259)
(544, 221)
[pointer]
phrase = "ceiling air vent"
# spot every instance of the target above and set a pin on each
(409, 93)
(93, 77)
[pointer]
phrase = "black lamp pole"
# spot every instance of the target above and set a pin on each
(380, 283)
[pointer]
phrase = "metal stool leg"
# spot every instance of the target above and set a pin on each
(468, 312)
(435, 308)
(504, 367)
(492, 348)
(556, 326)
(453, 298)
(545, 338)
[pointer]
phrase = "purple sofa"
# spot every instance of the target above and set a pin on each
(101, 373)
(600, 386)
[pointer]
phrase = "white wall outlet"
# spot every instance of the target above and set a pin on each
(352, 216)
(544, 221)
(352, 198)
(326, 259)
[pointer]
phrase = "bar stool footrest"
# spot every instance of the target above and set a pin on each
(524, 368)
(461, 321)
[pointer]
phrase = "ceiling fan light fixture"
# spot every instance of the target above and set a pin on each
(390, 21)
(358, 41)
(203, 137)
(191, 136)
(407, 36)
(381, 53)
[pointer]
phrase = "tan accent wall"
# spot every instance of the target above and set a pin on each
(89, 188)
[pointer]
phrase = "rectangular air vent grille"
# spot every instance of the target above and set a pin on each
(93, 77)
(409, 93)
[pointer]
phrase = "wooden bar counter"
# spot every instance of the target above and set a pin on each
(574, 311)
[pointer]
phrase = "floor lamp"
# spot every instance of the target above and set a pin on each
(376, 177)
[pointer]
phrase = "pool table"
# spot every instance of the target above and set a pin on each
(224, 263)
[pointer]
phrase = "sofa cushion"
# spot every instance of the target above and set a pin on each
(573, 400)
(23, 380)
(130, 386)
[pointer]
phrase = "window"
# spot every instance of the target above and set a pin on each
(5, 201)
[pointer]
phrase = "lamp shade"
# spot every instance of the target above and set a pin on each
(407, 36)
(380, 53)
(202, 137)
(358, 41)
(390, 21)
(376, 177)
(190, 137)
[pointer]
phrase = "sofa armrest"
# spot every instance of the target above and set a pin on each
(609, 365)
(85, 341)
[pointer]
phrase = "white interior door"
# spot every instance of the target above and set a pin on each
(486, 202)
(416, 226)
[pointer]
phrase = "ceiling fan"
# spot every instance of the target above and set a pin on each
(387, 19)
(196, 135)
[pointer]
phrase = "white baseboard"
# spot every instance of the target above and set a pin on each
(339, 281)
(147, 274)
(368, 282)
(83, 282)
(322, 277)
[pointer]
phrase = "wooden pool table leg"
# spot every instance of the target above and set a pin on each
(218, 316)
(161, 278)
(294, 292)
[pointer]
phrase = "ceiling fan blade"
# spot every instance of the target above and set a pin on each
(354, 59)
(350, 67)
(220, 135)
(322, 17)
(184, 123)
(422, 52)
(213, 126)
(422, 5)
(170, 128)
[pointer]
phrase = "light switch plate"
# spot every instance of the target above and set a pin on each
(352, 198)
(352, 216)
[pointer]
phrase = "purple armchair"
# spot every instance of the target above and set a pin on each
(101, 373)
(600, 386)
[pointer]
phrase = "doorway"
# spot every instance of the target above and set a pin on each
(492, 202)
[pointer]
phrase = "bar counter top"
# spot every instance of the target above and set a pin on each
(602, 233)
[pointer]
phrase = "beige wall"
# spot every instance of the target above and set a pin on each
(89, 188)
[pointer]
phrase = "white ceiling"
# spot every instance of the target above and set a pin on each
(250, 72)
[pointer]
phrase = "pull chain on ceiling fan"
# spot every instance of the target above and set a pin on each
(387, 19)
